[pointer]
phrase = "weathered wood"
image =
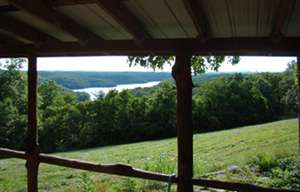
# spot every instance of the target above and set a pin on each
(72, 2)
(181, 72)
(115, 169)
(9, 153)
(125, 18)
(298, 98)
(126, 170)
(7, 8)
(199, 18)
(217, 46)
(24, 30)
(6, 40)
(44, 11)
(32, 150)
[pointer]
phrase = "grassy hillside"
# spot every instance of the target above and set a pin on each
(212, 152)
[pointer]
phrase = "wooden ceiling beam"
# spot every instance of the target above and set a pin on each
(218, 46)
(23, 30)
(6, 40)
(125, 18)
(199, 18)
(280, 17)
(7, 8)
(72, 2)
(44, 11)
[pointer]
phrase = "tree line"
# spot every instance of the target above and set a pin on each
(79, 79)
(66, 121)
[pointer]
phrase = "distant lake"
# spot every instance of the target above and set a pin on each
(93, 91)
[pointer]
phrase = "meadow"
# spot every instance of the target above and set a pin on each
(212, 152)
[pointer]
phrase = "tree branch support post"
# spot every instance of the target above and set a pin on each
(298, 96)
(181, 72)
(32, 149)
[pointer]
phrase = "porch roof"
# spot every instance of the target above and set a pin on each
(133, 27)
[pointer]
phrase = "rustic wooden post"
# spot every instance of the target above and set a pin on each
(181, 72)
(32, 150)
(298, 93)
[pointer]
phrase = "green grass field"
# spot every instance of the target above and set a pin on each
(212, 152)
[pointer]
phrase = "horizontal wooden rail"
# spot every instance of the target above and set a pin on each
(8, 153)
(115, 169)
(126, 170)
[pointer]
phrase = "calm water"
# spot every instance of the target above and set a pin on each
(93, 91)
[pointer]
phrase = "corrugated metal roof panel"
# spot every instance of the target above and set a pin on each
(240, 18)
(218, 17)
(42, 25)
(183, 18)
(163, 18)
(95, 19)
(265, 16)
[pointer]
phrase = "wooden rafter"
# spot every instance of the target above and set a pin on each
(71, 2)
(280, 17)
(125, 18)
(7, 8)
(23, 30)
(6, 39)
(217, 46)
(44, 11)
(196, 12)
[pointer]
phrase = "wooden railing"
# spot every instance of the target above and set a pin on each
(127, 170)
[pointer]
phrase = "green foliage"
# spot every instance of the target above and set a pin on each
(199, 64)
(66, 123)
(287, 174)
(213, 151)
(126, 184)
(86, 183)
(79, 80)
(163, 164)
(283, 173)
(13, 118)
(243, 99)
(264, 162)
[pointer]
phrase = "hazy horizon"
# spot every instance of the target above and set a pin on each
(120, 64)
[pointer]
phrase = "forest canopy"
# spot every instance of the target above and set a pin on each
(66, 122)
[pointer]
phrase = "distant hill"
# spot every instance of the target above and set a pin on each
(79, 80)
(82, 79)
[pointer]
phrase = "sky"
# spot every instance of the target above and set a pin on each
(119, 63)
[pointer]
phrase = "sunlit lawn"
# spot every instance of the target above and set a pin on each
(212, 152)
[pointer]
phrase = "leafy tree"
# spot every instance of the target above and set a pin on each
(13, 119)
(199, 64)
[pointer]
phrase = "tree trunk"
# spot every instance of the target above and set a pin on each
(32, 150)
(181, 72)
